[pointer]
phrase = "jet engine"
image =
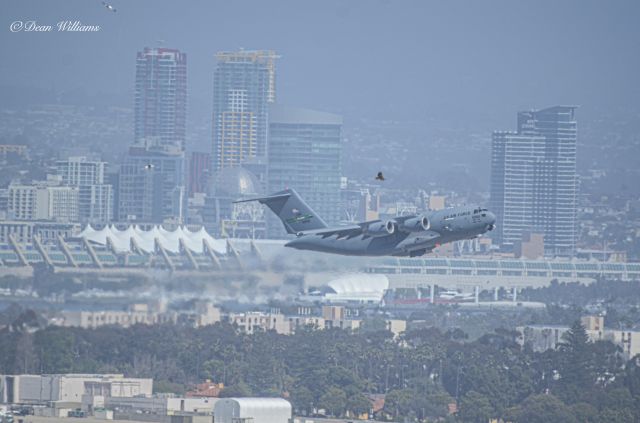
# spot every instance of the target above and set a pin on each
(378, 229)
(416, 224)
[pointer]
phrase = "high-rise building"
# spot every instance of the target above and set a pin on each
(95, 204)
(95, 197)
(43, 200)
(151, 182)
(305, 152)
(113, 178)
(160, 97)
(243, 86)
(199, 172)
(534, 180)
(515, 159)
(77, 171)
(152, 186)
(4, 203)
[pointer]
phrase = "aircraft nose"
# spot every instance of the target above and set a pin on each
(491, 221)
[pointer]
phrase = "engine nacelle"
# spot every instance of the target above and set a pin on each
(378, 229)
(416, 224)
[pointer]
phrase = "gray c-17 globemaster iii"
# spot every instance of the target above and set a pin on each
(411, 236)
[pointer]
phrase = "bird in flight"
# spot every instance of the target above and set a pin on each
(109, 7)
(148, 166)
(379, 177)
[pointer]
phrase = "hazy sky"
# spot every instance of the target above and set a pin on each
(402, 59)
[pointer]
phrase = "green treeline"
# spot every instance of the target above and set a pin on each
(421, 372)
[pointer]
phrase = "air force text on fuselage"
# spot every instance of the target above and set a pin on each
(411, 236)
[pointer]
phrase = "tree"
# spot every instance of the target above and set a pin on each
(632, 376)
(611, 415)
(399, 403)
(240, 389)
(374, 324)
(161, 386)
(540, 409)
(434, 404)
(476, 408)
(420, 372)
(585, 413)
(302, 399)
(214, 369)
(358, 404)
(55, 347)
(334, 401)
(608, 363)
(576, 370)
(616, 398)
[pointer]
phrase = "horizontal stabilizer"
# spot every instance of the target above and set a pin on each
(263, 200)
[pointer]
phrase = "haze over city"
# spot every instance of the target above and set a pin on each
(319, 211)
(380, 58)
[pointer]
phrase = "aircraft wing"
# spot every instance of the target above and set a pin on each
(341, 231)
(350, 231)
(401, 219)
(347, 231)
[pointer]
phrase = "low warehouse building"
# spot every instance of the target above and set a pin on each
(42, 389)
(252, 410)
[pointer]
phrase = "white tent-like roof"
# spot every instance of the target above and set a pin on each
(123, 240)
(358, 287)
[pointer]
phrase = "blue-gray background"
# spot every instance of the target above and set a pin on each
(466, 61)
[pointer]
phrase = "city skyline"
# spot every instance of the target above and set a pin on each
(244, 84)
(274, 211)
(152, 187)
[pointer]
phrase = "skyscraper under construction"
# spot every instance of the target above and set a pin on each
(244, 85)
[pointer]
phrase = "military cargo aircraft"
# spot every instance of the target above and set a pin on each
(410, 236)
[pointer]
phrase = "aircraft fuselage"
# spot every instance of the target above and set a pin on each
(446, 225)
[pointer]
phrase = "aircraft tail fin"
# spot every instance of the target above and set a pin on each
(295, 214)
